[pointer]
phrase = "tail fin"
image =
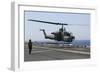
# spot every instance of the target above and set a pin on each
(43, 32)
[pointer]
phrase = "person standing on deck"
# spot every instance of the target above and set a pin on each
(30, 46)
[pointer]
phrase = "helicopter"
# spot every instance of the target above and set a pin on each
(60, 35)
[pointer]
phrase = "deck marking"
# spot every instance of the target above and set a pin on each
(72, 51)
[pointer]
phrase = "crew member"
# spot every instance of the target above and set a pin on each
(30, 46)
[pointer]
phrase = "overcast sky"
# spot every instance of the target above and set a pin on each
(79, 24)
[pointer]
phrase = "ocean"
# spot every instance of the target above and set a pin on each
(81, 42)
(75, 42)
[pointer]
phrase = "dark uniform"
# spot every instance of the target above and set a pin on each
(30, 46)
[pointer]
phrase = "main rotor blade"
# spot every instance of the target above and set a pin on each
(78, 24)
(48, 22)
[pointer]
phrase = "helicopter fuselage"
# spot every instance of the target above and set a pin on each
(59, 36)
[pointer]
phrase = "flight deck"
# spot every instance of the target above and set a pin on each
(48, 52)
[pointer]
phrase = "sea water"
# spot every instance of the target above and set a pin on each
(81, 42)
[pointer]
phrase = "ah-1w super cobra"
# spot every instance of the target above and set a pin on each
(60, 35)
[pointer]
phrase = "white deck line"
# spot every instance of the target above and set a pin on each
(50, 49)
(73, 51)
(40, 51)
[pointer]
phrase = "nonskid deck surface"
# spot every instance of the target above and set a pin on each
(54, 52)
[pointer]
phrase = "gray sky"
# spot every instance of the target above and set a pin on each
(75, 20)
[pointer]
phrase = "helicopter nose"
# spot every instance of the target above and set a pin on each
(73, 37)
